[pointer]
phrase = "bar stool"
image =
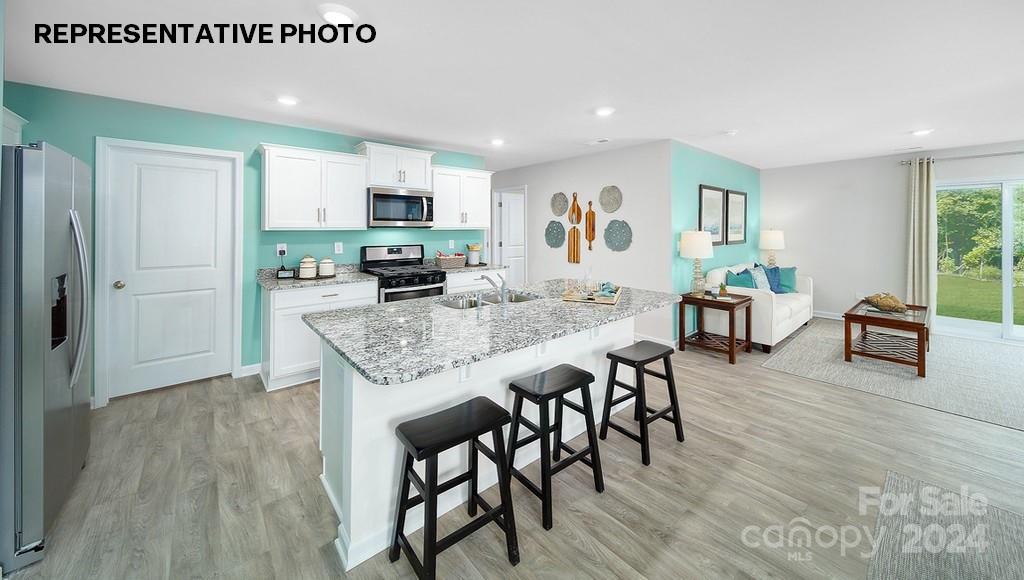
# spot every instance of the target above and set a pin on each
(424, 439)
(638, 356)
(540, 388)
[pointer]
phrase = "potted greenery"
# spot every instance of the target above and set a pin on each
(722, 291)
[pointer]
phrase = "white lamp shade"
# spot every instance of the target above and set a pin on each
(696, 245)
(773, 240)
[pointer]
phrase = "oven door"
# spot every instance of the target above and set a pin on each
(401, 208)
(395, 294)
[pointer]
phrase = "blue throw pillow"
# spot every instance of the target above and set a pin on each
(773, 273)
(760, 278)
(740, 280)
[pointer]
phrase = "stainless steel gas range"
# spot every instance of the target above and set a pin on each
(401, 273)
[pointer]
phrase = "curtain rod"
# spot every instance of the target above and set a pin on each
(979, 156)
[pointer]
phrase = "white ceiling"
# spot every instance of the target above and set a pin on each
(802, 81)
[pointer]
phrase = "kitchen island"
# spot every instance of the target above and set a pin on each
(388, 363)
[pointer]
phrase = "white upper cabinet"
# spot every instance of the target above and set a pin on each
(401, 167)
(344, 189)
(462, 198)
(305, 189)
(13, 123)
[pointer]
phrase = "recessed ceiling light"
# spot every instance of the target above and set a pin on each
(908, 148)
(730, 132)
(921, 132)
(337, 14)
(600, 141)
(604, 111)
(497, 142)
(288, 100)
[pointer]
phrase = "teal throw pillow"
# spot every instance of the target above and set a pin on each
(740, 280)
(787, 280)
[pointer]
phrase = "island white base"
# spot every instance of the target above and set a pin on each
(363, 458)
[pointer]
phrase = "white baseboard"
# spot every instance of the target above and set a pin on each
(246, 371)
(664, 341)
(829, 315)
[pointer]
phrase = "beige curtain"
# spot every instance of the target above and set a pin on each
(922, 247)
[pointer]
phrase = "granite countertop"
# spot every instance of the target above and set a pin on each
(347, 274)
(403, 341)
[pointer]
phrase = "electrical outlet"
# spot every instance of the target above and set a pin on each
(451, 244)
(282, 249)
(339, 248)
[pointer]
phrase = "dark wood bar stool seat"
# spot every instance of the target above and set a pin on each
(539, 389)
(639, 355)
(424, 439)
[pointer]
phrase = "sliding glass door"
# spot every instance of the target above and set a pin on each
(981, 258)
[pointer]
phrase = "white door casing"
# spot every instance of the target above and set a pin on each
(510, 232)
(166, 228)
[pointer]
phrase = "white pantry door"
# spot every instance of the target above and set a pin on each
(170, 243)
(512, 237)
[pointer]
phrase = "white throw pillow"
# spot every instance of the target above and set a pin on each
(760, 279)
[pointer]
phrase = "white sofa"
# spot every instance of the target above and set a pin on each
(773, 316)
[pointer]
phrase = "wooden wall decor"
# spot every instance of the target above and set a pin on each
(575, 217)
(591, 226)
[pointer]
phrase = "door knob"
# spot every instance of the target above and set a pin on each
(119, 285)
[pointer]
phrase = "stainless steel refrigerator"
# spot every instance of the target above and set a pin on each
(45, 343)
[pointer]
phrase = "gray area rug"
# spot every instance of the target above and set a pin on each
(977, 379)
(966, 538)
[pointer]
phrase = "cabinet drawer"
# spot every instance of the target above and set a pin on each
(363, 292)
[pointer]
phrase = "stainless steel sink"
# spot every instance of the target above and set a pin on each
(463, 302)
(512, 297)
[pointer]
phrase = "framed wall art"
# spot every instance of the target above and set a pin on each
(736, 217)
(711, 213)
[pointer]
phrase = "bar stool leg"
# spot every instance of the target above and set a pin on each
(403, 495)
(638, 410)
(595, 456)
(430, 520)
(641, 403)
(504, 490)
(609, 392)
(545, 464)
(513, 431)
(556, 452)
(673, 397)
(473, 479)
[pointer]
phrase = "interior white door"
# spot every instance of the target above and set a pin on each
(512, 239)
(344, 186)
(476, 200)
(169, 242)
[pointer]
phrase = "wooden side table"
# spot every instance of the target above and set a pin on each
(711, 341)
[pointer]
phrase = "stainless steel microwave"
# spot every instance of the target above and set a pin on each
(400, 208)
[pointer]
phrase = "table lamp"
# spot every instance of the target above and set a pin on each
(772, 240)
(696, 246)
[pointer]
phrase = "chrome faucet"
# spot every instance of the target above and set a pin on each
(502, 290)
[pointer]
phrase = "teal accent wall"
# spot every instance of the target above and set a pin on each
(73, 121)
(689, 168)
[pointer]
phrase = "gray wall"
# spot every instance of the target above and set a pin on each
(846, 221)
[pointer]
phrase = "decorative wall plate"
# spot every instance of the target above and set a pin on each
(554, 234)
(610, 198)
(618, 236)
(559, 203)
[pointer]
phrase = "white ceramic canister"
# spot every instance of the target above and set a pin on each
(326, 267)
(307, 267)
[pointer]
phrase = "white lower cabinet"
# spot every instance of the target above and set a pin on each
(470, 281)
(291, 350)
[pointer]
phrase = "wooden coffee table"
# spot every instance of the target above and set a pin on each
(896, 348)
(701, 338)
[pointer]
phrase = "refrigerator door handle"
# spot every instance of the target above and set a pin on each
(85, 294)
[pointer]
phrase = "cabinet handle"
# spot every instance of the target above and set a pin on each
(328, 295)
(318, 220)
(325, 215)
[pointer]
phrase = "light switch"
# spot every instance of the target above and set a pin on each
(282, 249)
(451, 244)
(339, 248)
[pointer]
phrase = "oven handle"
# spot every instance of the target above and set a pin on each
(385, 291)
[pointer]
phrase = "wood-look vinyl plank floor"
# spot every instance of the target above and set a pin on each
(218, 479)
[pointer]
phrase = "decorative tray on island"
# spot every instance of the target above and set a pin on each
(592, 297)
